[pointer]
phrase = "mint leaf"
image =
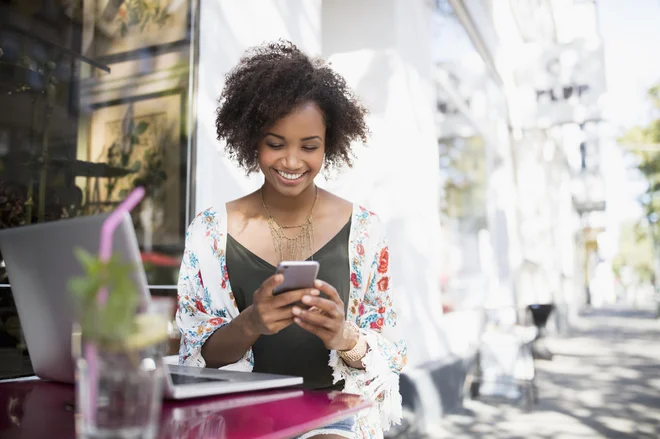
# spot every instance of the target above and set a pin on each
(114, 320)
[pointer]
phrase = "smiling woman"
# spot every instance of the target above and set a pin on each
(288, 116)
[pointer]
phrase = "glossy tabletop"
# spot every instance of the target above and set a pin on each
(39, 409)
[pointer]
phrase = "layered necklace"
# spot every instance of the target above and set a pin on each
(297, 247)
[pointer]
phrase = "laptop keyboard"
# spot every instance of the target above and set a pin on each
(179, 379)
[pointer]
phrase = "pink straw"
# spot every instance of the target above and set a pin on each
(108, 229)
(105, 252)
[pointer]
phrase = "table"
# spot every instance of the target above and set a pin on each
(38, 409)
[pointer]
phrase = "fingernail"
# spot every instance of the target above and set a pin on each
(315, 292)
(307, 299)
(318, 283)
(296, 319)
(296, 310)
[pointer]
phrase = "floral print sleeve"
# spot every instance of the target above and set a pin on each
(205, 301)
(372, 308)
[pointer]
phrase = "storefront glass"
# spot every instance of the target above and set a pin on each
(468, 144)
(96, 100)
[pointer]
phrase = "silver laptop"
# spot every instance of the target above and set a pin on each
(40, 260)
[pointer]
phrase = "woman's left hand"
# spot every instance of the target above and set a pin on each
(325, 318)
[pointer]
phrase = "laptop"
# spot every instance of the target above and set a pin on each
(40, 260)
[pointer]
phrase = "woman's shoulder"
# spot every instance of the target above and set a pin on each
(219, 219)
(247, 203)
(333, 203)
(212, 220)
(364, 212)
(361, 215)
(366, 217)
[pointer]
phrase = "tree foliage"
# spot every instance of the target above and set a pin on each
(644, 143)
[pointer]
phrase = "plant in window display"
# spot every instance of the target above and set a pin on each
(124, 26)
(144, 138)
(137, 148)
(152, 176)
(120, 151)
(121, 16)
(140, 13)
(12, 204)
(23, 74)
(36, 78)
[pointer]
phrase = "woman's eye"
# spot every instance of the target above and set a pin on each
(310, 148)
(275, 145)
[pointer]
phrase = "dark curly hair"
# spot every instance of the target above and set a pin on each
(267, 84)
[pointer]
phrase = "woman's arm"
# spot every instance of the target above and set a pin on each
(268, 315)
(229, 343)
(204, 307)
(325, 318)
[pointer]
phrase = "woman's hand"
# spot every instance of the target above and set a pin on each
(270, 313)
(326, 318)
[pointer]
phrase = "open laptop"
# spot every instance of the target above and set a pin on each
(40, 260)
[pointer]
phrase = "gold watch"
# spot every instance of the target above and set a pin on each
(359, 350)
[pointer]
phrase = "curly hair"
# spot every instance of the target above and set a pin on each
(267, 84)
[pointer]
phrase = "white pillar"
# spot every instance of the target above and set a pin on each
(382, 47)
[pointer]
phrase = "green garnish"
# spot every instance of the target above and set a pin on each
(113, 321)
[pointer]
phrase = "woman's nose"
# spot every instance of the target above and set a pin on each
(292, 161)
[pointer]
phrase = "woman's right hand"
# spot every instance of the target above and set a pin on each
(270, 313)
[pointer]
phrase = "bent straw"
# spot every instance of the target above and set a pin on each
(105, 252)
(108, 230)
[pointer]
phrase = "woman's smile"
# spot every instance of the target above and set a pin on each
(290, 178)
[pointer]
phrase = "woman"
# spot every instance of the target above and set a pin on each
(288, 116)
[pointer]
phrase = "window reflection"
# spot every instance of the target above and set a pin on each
(470, 108)
(95, 102)
(463, 164)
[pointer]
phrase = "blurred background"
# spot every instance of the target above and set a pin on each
(515, 160)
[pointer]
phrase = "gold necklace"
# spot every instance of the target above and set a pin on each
(300, 245)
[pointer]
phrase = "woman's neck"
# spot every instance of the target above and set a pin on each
(289, 210)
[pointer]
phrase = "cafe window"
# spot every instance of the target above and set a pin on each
(96, 100)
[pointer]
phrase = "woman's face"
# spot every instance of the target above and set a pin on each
(291, 151)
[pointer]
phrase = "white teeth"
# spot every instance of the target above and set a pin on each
(289, 176)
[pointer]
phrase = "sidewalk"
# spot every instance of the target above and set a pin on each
(603, 382)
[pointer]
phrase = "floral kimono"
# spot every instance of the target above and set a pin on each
(206, 303)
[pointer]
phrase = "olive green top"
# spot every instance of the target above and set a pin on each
(292, 351)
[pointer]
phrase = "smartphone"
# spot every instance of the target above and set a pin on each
(297, 275)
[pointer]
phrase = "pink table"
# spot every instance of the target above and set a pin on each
(38, 409)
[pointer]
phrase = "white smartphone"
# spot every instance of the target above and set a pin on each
(297, 275)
